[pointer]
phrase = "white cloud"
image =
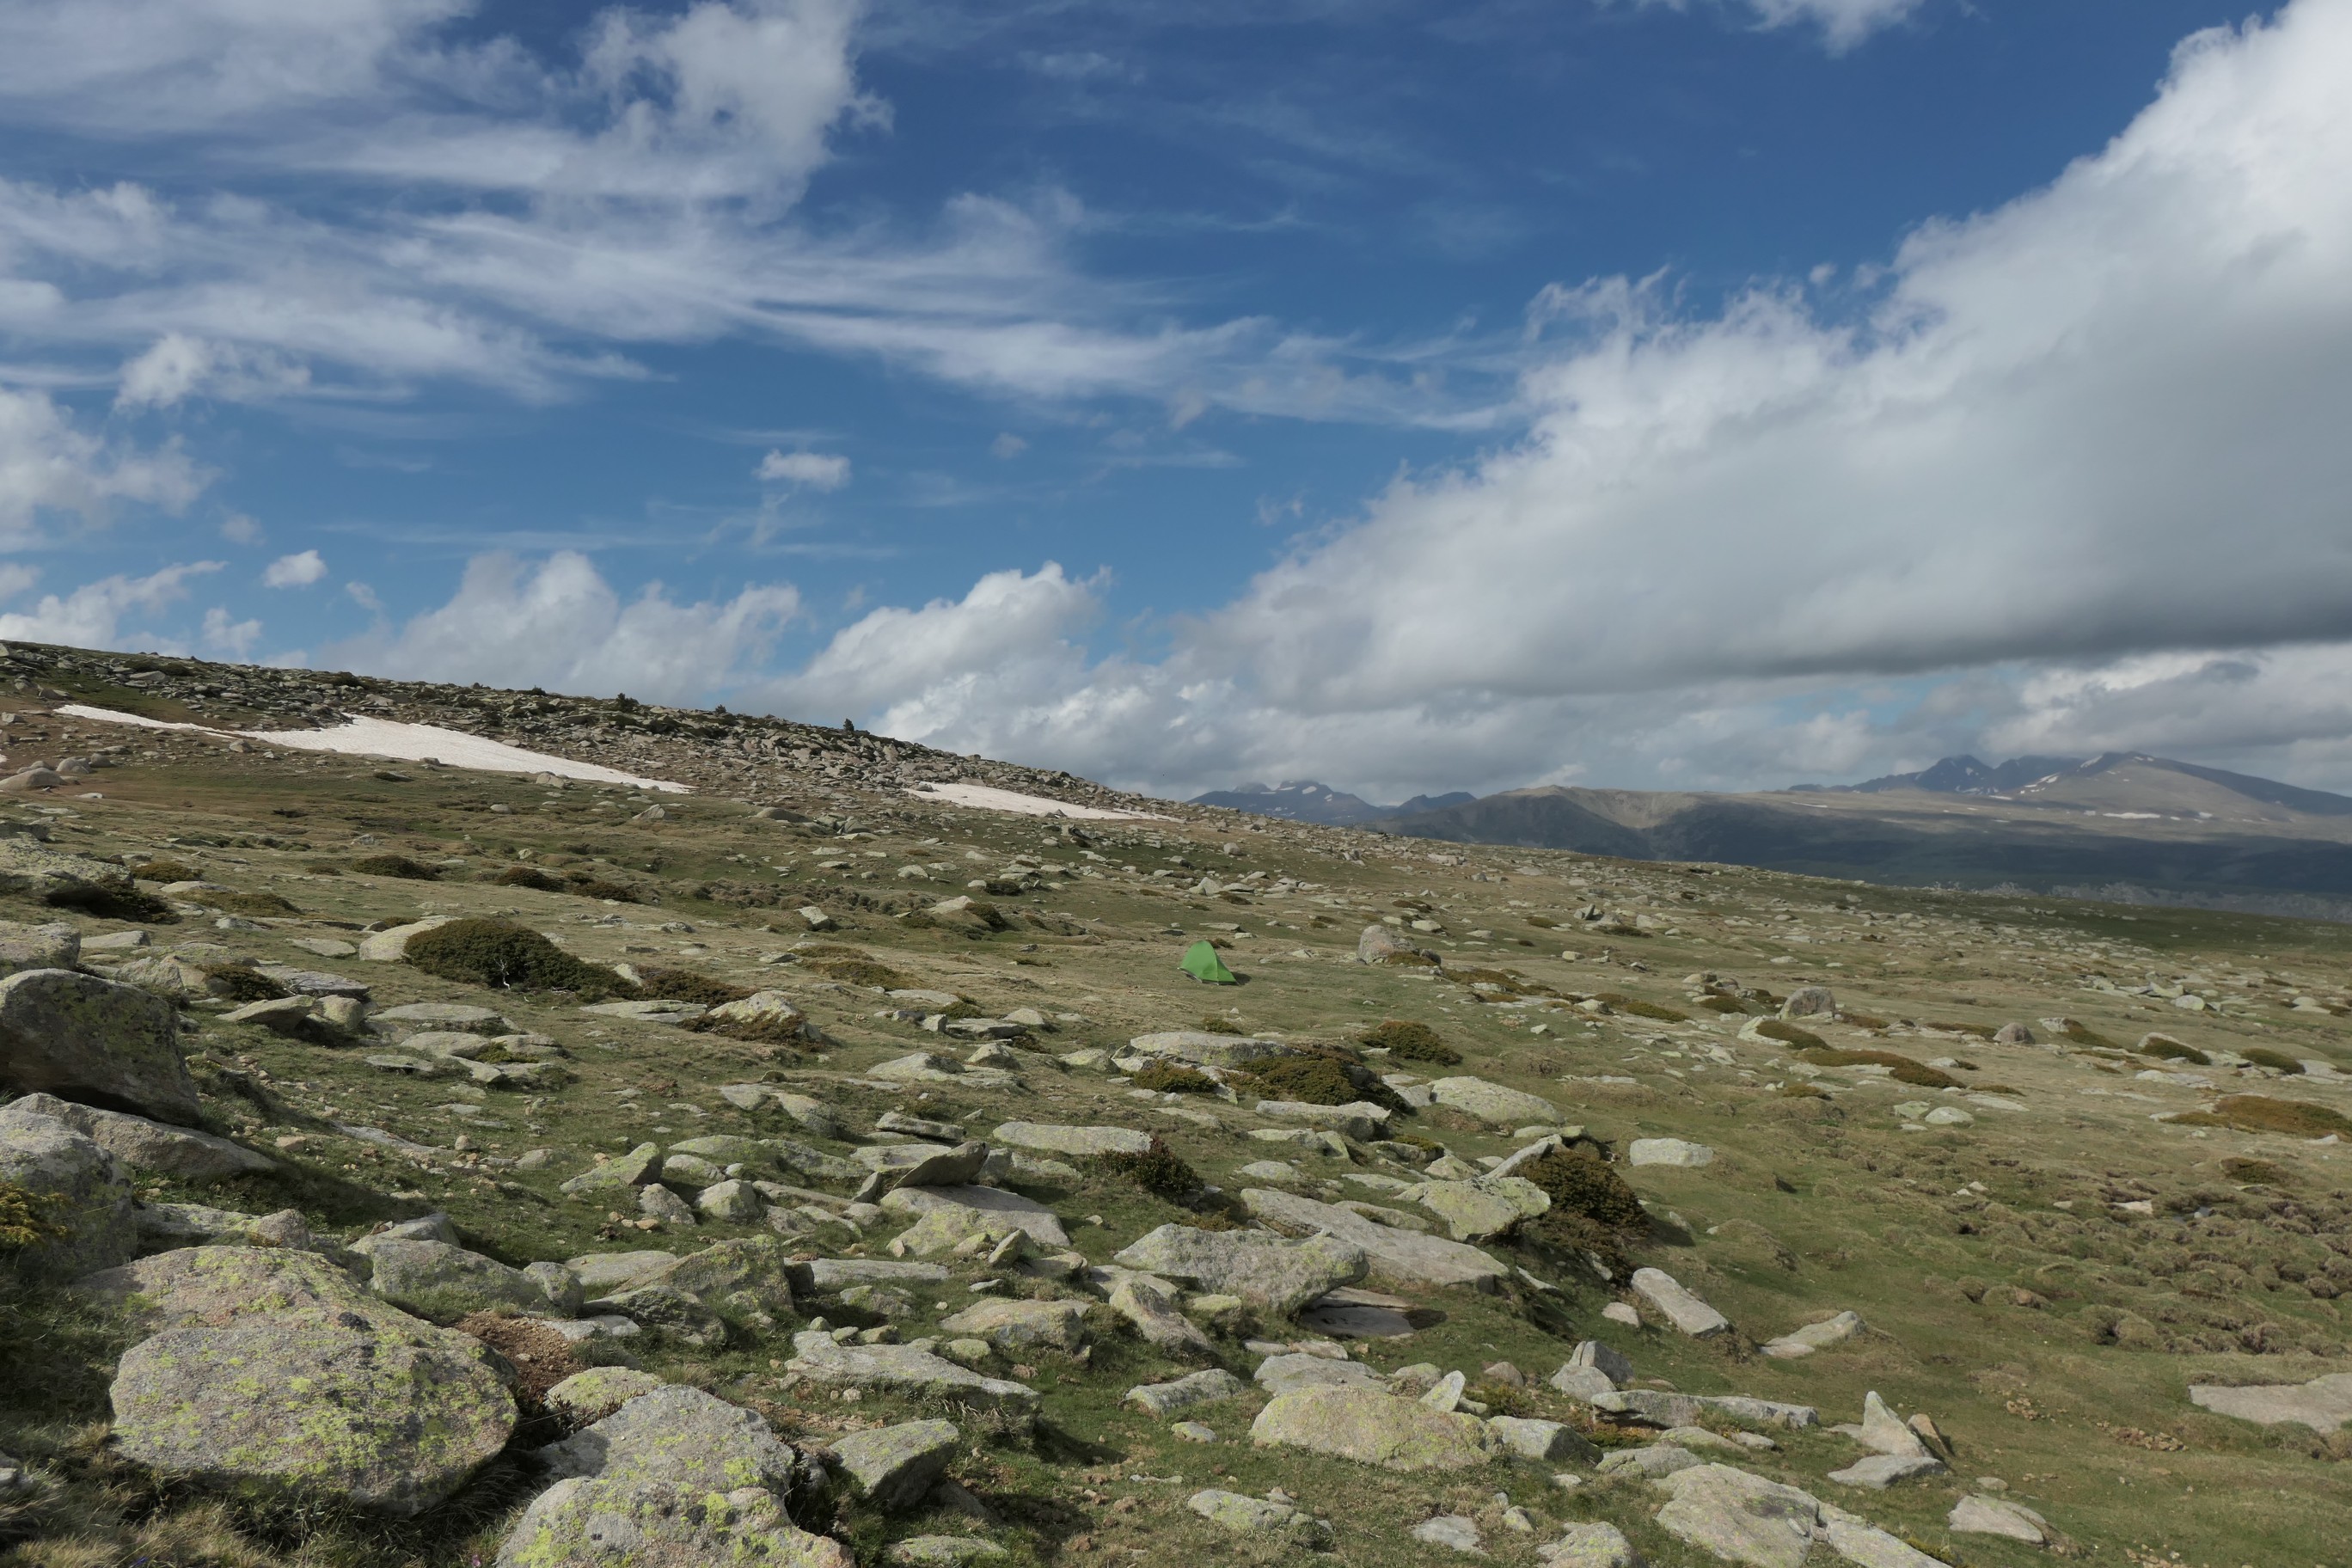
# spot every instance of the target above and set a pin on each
(364, 597)
(2096, 429)
(92, 614)
(178, 367)
(560, 625)
(1007, 446)
(295, 571)
(48, 463)
(229, 638)
(240, 529)
(1843, 23)
(818, 472)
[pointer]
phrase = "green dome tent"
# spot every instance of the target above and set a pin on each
(1201, 962)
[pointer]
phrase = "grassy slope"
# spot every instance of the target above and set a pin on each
(1980, 1303)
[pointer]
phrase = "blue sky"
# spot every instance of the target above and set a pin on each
(1413, 396)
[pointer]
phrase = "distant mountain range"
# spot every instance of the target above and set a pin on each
(1303, 800)
(2125, 827)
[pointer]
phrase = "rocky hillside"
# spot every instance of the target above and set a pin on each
(409, 1164)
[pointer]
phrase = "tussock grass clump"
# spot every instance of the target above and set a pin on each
(2165, 1048)
(165, 871)
(254, 904)
(1787, 1034)
(1214, 1024)
(1803, 1091)
(2261, 1113)
(2278, 1061)
(110, 899)
(1982, 1031)
(24, 1220)
(1543, 923)
(1726, 1005)
(1158, 1171)
(1168, 1077)
(1901, 1068)
(506, 956)
(861, 971)
(530, 877)
(1641, 1009)
(2253, 1171)
(1410, 1041)
(689, 986)
(399, 865)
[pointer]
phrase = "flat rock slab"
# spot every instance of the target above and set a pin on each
(2322, 1405)
(827, 1276)
(592, 1395)
(896, 1466)
(1200, 1388)
(1204, 1048)
(989, 1209)
(1999, 1516)
(942, 1552)
(194, 1286)
(326, 1407)
(680, 1437)
(1878, 1471)
(1246, 1515)
(437, 1280)
(1399, 1257)
(662, 1526)
(1669, 1151)
(1048, 1138)
(1591, 1546)
(1372, 1428)
(603, 1273)
(905, 1369)
(461, 1017)
(1686, 1311)
(1482, 1209)
(148, 1145)
(1493, 1103)
(1813, 1337)
(1272, 1272)
(1144, 1303)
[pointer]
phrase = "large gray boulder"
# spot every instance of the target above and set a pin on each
(1052, 1138)
(1205, 1049)
(95, 1041)
(1023, 1326)
(1738, 1517)
(321, 1406)
(945, 1217)
(441, 1283)
(1493, 1103)
(1400, 1257)
(82, 1197)
(1271, 1272)
(895, 1467)
(682, 1436)
(581, 1521)
(145, 1145)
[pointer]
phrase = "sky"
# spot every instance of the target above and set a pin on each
(1413, 396)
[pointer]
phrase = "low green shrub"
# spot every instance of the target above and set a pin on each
(598, 887)
(2278, 1061)
(1322, 1080)
(1787, 1034)
(2166, 1050)
(110, 899)
(1641, 1009)
(399, 865)
(165, 871)
(1157, 1171)
(1169, 1078)
(2260, 1113)
(1903, 1070)
(1410, 1041)
(1214, 1024)
(687, 985)
(530, 877)
(506, 956)
(241, 983)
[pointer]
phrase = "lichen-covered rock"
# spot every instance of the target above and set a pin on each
(946, 1216)
(322, 1404)
(638, 1166)
(1394, 1257)
(95, 1041)
(1023, 1325)
(1592, 1545)
(1052, 1138)
(1480, 1210)
(1200, 1388)
(78, 1190)
(733, 1278)
(1553, 1441)
(1271, 1272)
(1154, 1313)
(198, 1285)
(146, 1145)
(53, 946)
(1372, 1428)
(592, 1395)
(680, 1437)
(581, 1522)
(1258, 1516)
(894, 1467)
(437, 1280)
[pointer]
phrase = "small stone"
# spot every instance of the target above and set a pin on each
(895, 1467)
(1684, 1310)
(1885, 1432)
(1257, 1516)
(1451, 1530)
(731, 1203)
(1199, 1388)
(1878, 1471)
(657, 1203)
(1591, 1545)
(1193, 1432)
(1669, 1151)
(1999, 1516)
(1804, 1341)
(591, 1395)
(1653, 1460)
(1553, 1441)
(1622, 1312)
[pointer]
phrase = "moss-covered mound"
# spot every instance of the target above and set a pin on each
(689, 986)
(110, 899)
(1157, 1171)
(1323, 1080)
(506, 956)
(1902, 1068)
(1787, 1034)
(530, 877)
(1169, 1078)
(1592, 1211)
(2261, 1113)
(2278, 1061)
